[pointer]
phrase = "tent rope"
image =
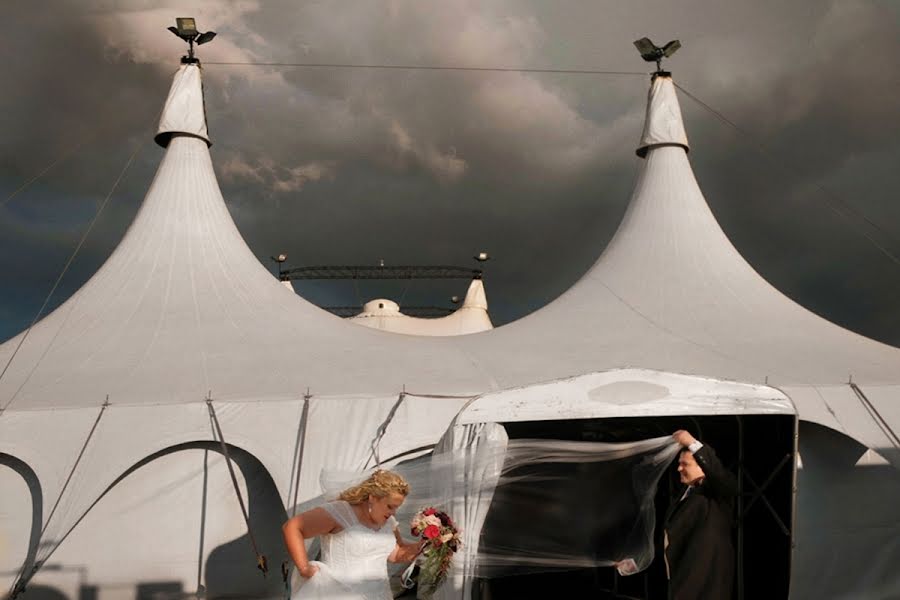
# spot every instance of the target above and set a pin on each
(876, 416)
(21, 579)
(59, 159)
(831, 198)
(382, 429)
(59, 278)
(261, 562)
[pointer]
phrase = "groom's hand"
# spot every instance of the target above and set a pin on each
(683, 437)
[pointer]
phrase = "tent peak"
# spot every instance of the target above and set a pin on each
(476, 296)
(185, 111)
(663, 125)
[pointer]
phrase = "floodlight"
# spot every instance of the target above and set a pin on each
(186, 29)
(646, 48)
(187, 26)
(668, 50)
(653, 53)
(279, 263)
(481, 256)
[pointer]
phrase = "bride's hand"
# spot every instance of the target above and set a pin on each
(406, 552)
(308, 571)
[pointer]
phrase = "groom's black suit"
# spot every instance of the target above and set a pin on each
(698, 528)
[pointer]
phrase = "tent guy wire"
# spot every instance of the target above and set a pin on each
(62, 273)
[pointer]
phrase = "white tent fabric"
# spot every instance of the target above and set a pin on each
(624, 393)
(184, 111)
(663, 125)
(471, 317)
(340, 434)
(183, 307)
(182, 310)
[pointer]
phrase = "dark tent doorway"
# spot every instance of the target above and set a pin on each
(758, 449)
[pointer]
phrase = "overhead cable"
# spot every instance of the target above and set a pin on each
(65, 269)
(832, 200)
(423, 68)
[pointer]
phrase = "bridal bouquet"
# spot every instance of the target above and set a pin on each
(442, 540)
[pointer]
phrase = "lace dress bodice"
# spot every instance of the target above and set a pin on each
(354, 560)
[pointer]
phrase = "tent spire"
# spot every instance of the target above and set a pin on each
(475, 295)
(663, 125)
(185, 111)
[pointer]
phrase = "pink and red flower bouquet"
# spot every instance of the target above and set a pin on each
(442, 540)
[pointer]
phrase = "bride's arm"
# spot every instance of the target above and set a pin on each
(405, 552)
(306, 525)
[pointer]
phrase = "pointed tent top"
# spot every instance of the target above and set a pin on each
(663, 125)
(380, 307)
(184, 112)
(476, 296)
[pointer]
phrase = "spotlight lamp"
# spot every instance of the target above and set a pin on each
(653, 53)
(279, 264)
(481, 257)
(186, 29)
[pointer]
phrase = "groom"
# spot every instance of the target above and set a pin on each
(697, 547)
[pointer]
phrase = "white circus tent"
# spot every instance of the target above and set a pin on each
(471, 317)
(117, 403)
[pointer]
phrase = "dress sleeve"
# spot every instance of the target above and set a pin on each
(342, 512)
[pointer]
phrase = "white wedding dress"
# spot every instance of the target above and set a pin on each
(354, 561)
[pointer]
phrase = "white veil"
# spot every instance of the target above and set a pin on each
(535, 504)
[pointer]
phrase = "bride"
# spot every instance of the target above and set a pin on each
(358, 537)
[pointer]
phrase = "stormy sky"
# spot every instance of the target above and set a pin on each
(350, 166)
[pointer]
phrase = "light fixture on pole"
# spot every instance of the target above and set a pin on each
(653, 53)
(481, 257)
(186, 29)
(279, 260)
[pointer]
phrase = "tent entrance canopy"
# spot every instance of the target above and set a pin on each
(625, 393)
(621, 406)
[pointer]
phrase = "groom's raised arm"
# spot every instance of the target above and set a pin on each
(719, 480)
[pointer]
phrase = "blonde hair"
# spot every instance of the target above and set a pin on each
(379, 484)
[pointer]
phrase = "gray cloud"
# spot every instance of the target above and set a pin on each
(422, 167)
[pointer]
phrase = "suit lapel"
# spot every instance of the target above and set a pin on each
(676, 506)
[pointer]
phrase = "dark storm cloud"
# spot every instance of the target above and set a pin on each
(349, 166)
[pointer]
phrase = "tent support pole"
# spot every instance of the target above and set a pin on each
(740, 510)
(796, 452)
(200, 589)
(287, 565)
(298, 455)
